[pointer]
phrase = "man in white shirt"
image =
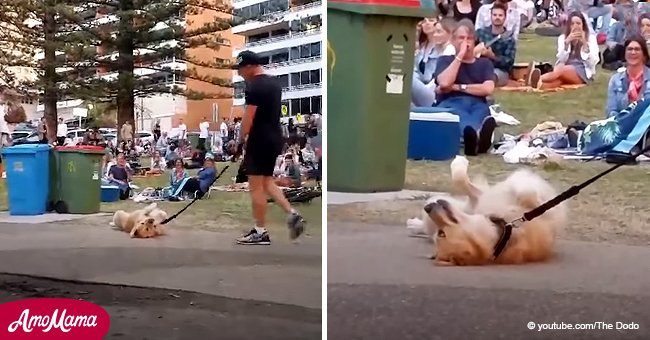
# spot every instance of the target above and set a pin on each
(223, 128)
(182, 131)
(203, 134)
(61, 132)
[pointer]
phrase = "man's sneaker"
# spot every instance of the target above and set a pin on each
(255, 238)
(296, 225)
(470, 139)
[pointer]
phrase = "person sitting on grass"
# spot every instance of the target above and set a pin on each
(171, 156)
(200, 184)
(622, 30)
(433, 42)
(197, 160)
(120, 175)
(577, 57)
(631, 83)
(158, 165)
(511, 17)
(502, 52)
(291, 178)
(644, 27)
(177, 177)
(464, 83)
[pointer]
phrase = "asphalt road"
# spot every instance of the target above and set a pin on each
(357, 312)
(161, 314)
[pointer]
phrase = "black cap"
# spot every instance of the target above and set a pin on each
(246, 58)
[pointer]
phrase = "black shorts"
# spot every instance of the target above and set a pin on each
(259, 160)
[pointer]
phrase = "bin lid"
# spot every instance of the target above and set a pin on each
(435, 117)
(26, 148)
(82, 149)
(415, 9)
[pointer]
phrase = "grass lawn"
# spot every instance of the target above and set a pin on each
(222, 211)
(614, 209)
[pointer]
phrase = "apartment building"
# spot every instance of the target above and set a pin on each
(288, 35)
(168, 109)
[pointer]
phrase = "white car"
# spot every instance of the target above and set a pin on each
(75, 136)
(145, 136)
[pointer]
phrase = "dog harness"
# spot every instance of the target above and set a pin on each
(530, 215)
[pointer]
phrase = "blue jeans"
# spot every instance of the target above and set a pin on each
(470, 110)
(605, 12)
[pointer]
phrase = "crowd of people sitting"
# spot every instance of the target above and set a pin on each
(461, 57)
(299, 161)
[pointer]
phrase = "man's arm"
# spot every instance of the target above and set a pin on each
(480, 90)
(507, 60)
(253, 99)
(448, 71)
(247, 122)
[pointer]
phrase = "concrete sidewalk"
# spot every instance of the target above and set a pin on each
(381, 286)
(388, 256)
(200, 261)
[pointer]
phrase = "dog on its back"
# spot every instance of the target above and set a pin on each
(141, 223)
(465, 231)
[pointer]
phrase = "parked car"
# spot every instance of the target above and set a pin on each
(107, 131)
(145, 136)
(32, 138)
(20, 134)
(76, 136)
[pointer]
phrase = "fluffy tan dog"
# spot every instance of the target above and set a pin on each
(141, 223)
(465, 232)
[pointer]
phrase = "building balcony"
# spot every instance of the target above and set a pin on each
(282, 42)
(291, 92)
(287, 67)
(278, 19)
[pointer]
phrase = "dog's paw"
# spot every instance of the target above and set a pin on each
(460, 163)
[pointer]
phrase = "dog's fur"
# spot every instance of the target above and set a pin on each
(141, 223)
(463, 231)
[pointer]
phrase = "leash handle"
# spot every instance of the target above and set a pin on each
(168, 219)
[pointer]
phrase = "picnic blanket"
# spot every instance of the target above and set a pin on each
(619, 133)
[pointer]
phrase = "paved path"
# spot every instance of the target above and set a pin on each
(381, 286)
(153, 313)
(199, 261)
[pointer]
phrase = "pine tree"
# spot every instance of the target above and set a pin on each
(137, 34)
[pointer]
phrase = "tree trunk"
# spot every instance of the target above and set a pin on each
(50, 90)
(125, 43)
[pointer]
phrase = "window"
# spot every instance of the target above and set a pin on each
(239, 89)
(284, 80)
(315, 49)
(305, 105)
(304, 78)
(280, 57)
(278, 33)
(295, 53)
(305, 51)
(295, 107)
(316, 104)
(314, 76)
(295, 79)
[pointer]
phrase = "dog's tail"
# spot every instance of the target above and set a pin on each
(461, 182)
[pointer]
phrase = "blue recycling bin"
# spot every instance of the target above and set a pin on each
(28, 178)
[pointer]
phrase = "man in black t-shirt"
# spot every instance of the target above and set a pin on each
(262, 135)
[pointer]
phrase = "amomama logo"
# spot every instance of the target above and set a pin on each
(53, 319)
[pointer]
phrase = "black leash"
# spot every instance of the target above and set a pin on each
(170, 218)
(569, 193)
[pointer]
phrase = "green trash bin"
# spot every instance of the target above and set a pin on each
(370, 56)
(77, 189)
